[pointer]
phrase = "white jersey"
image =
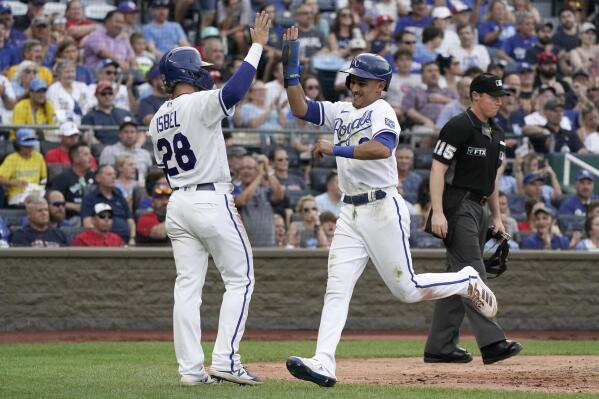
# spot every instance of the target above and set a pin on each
(353, 126)
(188, 139)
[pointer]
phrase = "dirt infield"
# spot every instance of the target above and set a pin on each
(86, 335)
(557, 374)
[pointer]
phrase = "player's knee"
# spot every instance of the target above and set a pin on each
(409, 294)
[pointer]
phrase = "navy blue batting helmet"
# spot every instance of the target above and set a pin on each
(184, 64)
(370, 66)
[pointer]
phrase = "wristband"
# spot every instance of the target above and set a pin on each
(291, 62)
(344, 151)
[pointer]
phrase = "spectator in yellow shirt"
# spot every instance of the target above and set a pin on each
(23, 167)
(35, 110)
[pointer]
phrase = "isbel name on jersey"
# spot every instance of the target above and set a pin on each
(167, 121)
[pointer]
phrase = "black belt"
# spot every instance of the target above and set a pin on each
(364, 198)
(199, 187)
(471, 195)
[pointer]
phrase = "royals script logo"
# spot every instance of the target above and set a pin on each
(344, 131)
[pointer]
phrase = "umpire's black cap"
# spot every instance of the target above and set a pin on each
(490, 84)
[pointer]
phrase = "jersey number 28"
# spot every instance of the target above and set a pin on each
(184, 155)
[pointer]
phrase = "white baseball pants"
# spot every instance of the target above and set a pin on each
(201, 223)
(380, 231)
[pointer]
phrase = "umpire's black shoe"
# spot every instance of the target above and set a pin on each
(459, 355)
(500, 351)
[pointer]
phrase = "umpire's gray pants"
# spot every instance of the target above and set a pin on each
(466, 238)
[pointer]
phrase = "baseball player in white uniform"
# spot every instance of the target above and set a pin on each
(374, 222)
(201, 215)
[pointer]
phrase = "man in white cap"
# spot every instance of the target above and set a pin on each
(99, 235)
(442, 19)
(69, 135)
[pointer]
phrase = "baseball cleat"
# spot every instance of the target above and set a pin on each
(481, 296)
(188, 381)
(310, 370)
(240, 376)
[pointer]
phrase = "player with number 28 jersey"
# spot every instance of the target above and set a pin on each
(201, 217)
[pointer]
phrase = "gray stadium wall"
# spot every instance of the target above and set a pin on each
(50, 289)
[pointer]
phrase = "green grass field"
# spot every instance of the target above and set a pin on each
(149, 370)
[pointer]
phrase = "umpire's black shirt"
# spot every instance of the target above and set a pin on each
(473, 150)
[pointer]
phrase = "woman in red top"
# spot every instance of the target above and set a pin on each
(77, 26)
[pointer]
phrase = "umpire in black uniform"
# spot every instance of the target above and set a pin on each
(463, 181)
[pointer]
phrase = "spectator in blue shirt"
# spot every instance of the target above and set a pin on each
(106, 191)
(545, 236)
(515, 47)
(38, 232)
(591, 228)
(416, 21)
(409, 181)
(149, 105)
(577, 204)
(496, 28)
(432, 37)
(15, 37)
(161, 34)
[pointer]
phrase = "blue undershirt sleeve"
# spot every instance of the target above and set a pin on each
(314, 113)
(387, 139)
(237, 87)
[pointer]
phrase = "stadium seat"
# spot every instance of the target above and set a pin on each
(318, 179)
(98, 11)
(6, 148)
(325, 162)
(570, 223)
(516, 203)
(71, 232)
(54, 169)
(326, 5)
(54, 8)
(46, 146)
(17, 7)
(13, 217)
(423, 158)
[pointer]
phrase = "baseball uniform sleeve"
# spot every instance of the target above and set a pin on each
(451, 138)
(328, 111)
(210, 106)
(384, 120)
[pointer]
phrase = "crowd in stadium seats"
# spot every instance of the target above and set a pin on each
(82, 74)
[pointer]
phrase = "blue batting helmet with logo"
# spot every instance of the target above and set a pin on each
(370, 66)
(184, 64)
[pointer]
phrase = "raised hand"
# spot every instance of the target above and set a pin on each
(291, 33)
(259, 32)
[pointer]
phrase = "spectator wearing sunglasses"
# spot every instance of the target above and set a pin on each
(38, 232)
(57, 209)
(105, 113)
(99, 235)
(150, 226)
(308, 232)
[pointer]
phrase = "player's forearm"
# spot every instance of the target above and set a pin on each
(494, 200)
(371, 150)
(437, 185)
(297, 100)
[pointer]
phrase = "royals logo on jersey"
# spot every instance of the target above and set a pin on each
(353, 126)
(188, 139)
